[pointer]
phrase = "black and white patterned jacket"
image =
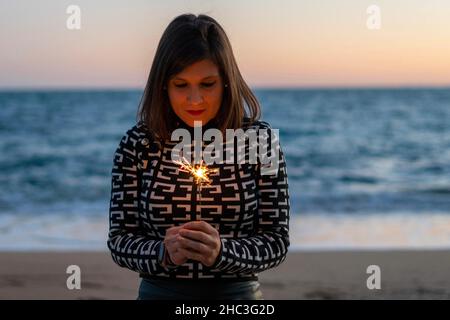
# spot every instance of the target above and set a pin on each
(149, 194)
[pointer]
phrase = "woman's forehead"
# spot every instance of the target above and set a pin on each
(199, 70)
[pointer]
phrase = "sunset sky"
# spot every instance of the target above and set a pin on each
(295, 43)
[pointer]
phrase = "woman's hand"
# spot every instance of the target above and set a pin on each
(200, 241)
(172, 246)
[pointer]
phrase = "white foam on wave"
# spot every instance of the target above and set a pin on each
(370, 231)
(307, 232)
(53, 232)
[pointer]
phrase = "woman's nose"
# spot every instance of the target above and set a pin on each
(195, 96)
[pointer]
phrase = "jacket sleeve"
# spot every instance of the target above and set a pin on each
(269, 246)
(129, 247)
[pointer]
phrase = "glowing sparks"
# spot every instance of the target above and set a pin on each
(199, 171)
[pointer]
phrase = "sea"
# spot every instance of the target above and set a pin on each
(368, 168)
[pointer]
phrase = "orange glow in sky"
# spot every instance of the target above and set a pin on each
(276, 43)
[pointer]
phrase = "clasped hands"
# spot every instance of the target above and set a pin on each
(196, 240)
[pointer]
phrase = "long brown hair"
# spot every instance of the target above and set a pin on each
(186, 40)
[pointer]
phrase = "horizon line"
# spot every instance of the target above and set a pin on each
(315, 87)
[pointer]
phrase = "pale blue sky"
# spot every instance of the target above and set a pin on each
(291, 43)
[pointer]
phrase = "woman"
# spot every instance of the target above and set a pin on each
(189, 240)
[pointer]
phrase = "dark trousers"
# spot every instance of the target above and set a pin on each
(151, 289)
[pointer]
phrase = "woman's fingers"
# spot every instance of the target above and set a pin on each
(197, 246)
(171, 235)
(171, 243)
(197, 236)
(178, 257)
(196, 240)
(173, 230)
(201, 226)
(204, 233)
(192, 254)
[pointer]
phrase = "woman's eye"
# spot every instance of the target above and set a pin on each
(205, 84)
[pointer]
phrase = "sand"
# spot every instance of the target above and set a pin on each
(303, 275)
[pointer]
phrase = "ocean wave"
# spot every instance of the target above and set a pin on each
(307, 231)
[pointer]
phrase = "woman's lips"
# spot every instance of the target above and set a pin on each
(196, 112)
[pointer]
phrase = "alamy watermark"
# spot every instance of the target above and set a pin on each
(374, 280)
(73, 22)
(74, 280)
(374, 19)
(263, 145)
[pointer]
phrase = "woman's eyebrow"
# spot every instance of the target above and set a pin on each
(211, 76)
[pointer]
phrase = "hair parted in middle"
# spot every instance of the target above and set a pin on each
(186, 40)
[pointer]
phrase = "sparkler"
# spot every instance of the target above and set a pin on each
(199, 171)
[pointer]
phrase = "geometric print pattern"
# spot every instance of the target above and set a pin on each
(149, 194)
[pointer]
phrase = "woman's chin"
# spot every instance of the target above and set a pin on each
(191, 119)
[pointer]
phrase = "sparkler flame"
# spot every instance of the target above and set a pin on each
(199, 171)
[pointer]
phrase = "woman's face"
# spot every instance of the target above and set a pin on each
(195, 93)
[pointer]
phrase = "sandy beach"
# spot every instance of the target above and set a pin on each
(303, 275)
